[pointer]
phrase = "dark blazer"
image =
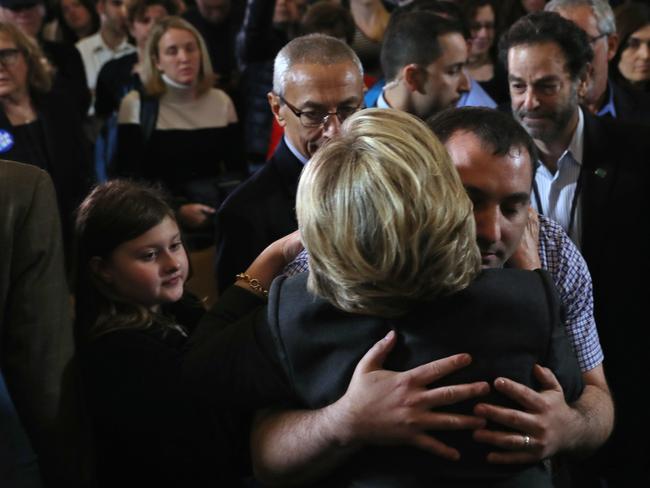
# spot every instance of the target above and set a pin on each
(616, 247)
(70, 79)
(631, 107)
(115, 79)
(260, 211)
(507, 319)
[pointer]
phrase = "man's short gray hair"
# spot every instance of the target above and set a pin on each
(602, 12)
(310, 49)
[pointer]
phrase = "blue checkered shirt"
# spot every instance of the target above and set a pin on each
(561, 258)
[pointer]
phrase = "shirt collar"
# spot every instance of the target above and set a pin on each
(295, 151)
(381, 101)
(100, 45)
(608, 108)
(576, 146)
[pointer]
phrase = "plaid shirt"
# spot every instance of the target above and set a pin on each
(561, 258)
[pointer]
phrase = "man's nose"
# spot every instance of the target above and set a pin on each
(488, 225)
(464, 84)
(530, 100)
(332, 126)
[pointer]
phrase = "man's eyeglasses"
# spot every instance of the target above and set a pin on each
(594, 39)
(9, 56)
(318, 118)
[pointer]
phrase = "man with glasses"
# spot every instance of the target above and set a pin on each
(604, 96)
(591, 179)
(317, 84)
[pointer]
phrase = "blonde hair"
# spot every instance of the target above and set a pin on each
(384, 217)
(39, 71)
(151, 76)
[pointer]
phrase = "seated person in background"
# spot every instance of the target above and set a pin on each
(182, 133)
(218, 21)
(133, 319)
(36, 124)
(73, 20)
(70, 80)
(110, 42)
(119, 76)
(403, 257)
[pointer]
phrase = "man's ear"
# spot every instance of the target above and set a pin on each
(276, 105)
(100, 6)
(612, 45)
(413, 77)
(99, 269)
(585, 80)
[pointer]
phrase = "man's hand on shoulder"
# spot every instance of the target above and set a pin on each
(547, 424)
(387, 407)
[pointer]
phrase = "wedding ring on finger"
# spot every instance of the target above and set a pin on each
(526, 441)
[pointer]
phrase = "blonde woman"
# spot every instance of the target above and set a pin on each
(179, 130)
(391, 241)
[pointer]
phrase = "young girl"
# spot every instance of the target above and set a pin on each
(133, 319)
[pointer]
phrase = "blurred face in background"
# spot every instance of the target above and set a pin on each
(13, 68)
(179, 56)
(113, 15)
(634, 64)
(142, 24)
(77, 17)
(214, 11)
(288, 11)
(28, 18)
(482, 31)
(604, 47)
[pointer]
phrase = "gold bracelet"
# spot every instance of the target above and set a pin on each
(253, 283)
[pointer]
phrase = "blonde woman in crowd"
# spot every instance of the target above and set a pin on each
(179, 130)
